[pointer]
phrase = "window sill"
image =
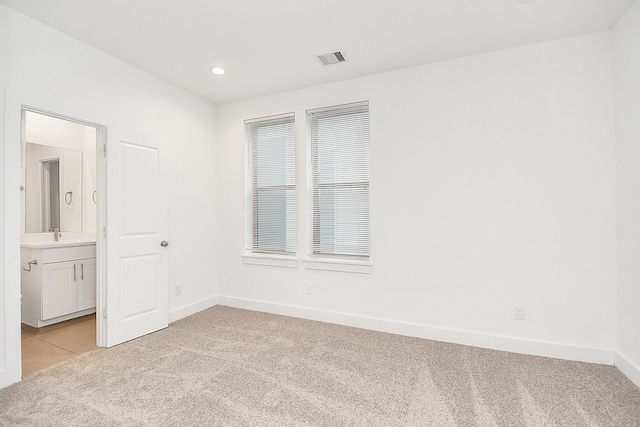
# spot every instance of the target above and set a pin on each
(270, 260)
(343, 265)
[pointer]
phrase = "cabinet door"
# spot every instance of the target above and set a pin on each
(59, 289)
(86, 284)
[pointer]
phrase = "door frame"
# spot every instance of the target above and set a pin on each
(101, 222)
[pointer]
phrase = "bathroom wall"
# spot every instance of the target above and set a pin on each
(71, 138)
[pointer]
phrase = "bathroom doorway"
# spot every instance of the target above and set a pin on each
(132, 254)
(61, 179)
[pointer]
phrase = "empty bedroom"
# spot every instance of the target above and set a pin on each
(330, 213)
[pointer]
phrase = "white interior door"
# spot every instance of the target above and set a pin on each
(137, 224)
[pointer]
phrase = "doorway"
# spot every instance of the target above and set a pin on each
(62, 256)
(49, 345)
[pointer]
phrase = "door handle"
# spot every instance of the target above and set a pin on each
(75, 279)
(164, 243)
(82, 271)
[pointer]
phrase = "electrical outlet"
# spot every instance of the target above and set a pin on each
(519, 312)
(310, 288)
(178, 288)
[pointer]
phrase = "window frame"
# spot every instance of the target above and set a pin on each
(325, 260)
(254, 254)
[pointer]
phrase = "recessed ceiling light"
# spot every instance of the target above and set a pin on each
(218, 71)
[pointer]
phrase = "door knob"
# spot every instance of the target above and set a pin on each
(164, 243)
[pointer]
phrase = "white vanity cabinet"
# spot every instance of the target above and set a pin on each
(87, 286)
(61, 283)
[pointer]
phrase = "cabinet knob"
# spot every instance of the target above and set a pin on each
(164, 243)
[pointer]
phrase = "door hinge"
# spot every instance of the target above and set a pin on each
(104, 150)
(104, 313)
(104, 231)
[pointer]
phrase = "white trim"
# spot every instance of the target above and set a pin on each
(631, 370)
(312, 117)
(101, 239)
(286, 128)
(476, 339)
(349, 105)
(343, 265)
(272, 117)
(270, 260)
(188, 310)
(10, 300)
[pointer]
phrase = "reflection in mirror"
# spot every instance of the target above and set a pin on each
(51, 174)
(50, 194)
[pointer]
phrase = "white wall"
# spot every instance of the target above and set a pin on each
(43, 68)
(492, 184)
(626, 36)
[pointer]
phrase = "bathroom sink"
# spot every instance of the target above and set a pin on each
(59, 243)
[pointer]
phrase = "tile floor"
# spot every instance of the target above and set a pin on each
(47, 346)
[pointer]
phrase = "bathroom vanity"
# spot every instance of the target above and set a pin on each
(58, 281)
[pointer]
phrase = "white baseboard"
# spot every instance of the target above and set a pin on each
(631, 370)
(190, 309)
(494, 342)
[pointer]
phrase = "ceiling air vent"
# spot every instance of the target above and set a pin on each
(332, 58)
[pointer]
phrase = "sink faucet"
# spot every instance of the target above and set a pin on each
(56, 234)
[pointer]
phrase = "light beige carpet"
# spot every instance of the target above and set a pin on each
(233, 367)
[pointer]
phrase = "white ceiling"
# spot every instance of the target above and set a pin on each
(270, 46)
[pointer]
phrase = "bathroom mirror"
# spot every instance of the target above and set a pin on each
(53, 189)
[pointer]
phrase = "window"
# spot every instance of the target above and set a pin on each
(271, 189)
(339, 180)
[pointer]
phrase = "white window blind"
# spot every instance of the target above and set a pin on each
(271, 189)
(339, 180)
